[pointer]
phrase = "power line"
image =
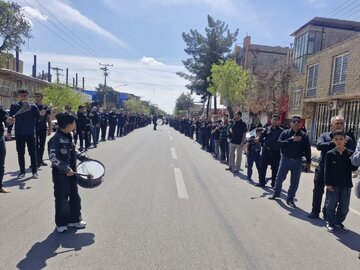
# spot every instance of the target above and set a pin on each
(350, 10)
(338, 7)
(85, 45)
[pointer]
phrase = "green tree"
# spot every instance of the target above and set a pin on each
(111, 95)
(14, 27)
(184, 103)
(231, 82)
(204, 51)
(59, 95)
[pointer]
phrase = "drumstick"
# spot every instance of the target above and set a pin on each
(89, 176)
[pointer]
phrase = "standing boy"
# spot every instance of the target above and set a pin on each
(338, 182)
(63, 159)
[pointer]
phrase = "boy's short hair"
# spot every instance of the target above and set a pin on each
(38, 95)
(64, 119)
(23, 91)
(259, 130)
(338, 133)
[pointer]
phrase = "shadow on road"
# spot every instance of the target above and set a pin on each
(350, 239)
(42, 251)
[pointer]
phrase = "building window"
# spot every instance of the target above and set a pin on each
(296, 99)
(339, 74)
(312, 80)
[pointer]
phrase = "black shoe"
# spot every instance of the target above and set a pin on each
(312, 215)
(259, 185)
(273, 197)
(21, 175)
(342, 227)
(291, 203)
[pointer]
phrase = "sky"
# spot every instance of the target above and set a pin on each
(142, 38)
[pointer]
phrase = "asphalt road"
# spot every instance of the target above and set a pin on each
(166, 204)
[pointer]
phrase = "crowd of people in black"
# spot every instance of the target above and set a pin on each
(32, 122)
(284, 149)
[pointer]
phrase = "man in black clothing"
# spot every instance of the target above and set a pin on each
(270, 151)
(325, 144)
(121, 123)
(43, 128)
(223, 137)
(93, 115)
(3, 122)
(238, 134)
(25, 115)
(81, 128)
(154, 119)
(294, 144)
(112, 124)
(104, 118)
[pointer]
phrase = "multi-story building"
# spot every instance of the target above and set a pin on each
(332, 87)
(317, 48)
(266, 63)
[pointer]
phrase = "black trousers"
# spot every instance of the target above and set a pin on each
(224, 149)
(318, 191)
(40, 144)
(155, 126)
(111, 131)
(120, 131)
(67, 199)
(272, 158)
(2, 159)
(103, 132)
(29, 140)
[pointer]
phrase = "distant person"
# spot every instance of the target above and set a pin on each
(154, 119)
(25, 116)
(43, 128)
(338, 182)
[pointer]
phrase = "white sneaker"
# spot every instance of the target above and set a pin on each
(61, 229)
(329, 228)
(80, 225)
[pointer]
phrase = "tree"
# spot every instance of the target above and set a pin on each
(14, 27)
(231, 82)
(111, 95)
(270, 87)
(204, 51)
(40, 76)
(184, 103)
(59, 95)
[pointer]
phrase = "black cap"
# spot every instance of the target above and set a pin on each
(275, 116)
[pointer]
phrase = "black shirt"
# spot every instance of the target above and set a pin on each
(238, 130)
(338, 169)
(3, 117)
(295, 150)
(325, 144)
(42, 120)
(26, 116)
(270, 137)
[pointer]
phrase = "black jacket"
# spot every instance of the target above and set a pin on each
(295, 150)
(269, 138)
(62, 153)
(338, 169)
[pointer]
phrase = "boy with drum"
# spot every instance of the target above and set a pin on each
(63, 159)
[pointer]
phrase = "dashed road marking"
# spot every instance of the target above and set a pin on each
(173, 153)
(180, 184)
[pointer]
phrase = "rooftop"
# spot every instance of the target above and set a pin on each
(331, 23)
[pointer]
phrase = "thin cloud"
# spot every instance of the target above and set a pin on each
(34, 13)
(156, 82)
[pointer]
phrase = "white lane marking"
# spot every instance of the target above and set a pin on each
(173, 153)
(180, 184)
(171, 138)
(354, 211)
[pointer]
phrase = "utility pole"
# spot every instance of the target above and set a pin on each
(57, 69)
(106, 73)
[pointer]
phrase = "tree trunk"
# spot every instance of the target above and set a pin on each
(208, 105)
(231, 112)
(215, 107)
